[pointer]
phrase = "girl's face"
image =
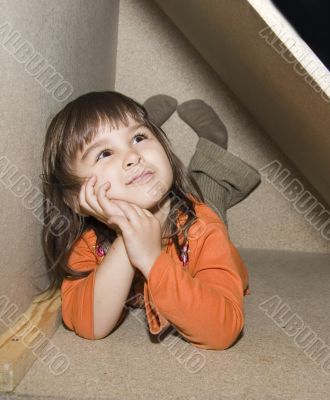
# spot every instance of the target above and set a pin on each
(120, 155)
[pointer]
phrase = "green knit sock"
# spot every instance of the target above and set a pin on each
(223, 177)
(204, 121)
(160, 107)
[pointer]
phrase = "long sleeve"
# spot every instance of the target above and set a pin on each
(78, 295)
(204, 303)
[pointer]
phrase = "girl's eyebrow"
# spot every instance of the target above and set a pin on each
(94, 146)
(104, 141)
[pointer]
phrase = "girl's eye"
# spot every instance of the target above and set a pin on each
(109, 151)
(102, 152)
(140, 134)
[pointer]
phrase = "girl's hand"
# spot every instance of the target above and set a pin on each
(141, 232)
(90, 203)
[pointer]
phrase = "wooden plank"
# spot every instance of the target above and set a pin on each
(28, 339)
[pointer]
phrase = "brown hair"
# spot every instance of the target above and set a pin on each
(71, 129)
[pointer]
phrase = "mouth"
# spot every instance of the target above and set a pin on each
(142, 178)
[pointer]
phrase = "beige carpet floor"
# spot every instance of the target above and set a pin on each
(265, 363)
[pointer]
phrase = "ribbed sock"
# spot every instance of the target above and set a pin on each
(215, 166)
(204, 121)
(160, 107)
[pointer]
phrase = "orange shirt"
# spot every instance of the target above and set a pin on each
(202, 300)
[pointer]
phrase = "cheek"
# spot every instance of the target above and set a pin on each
(161, 157)
(165, 173)
(115, 190)
(167, 166)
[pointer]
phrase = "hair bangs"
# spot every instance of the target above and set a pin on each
(92, 117)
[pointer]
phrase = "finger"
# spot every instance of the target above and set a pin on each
(94, 211)
(101, 194)
(129, 211)
(122, 222)
(147, 212)
(109, 206)
(138, 209)
(90, 196)
(82, 200)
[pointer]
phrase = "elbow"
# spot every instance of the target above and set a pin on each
(104, 333)
(98, 337)
(81, 330)
(85, 334)
(222, 335)
(226, 342)
(218, 342)
(101, 334)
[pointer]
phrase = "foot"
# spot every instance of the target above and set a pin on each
(160, 107)
(204, 121)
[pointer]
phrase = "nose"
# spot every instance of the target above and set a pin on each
(131, 160)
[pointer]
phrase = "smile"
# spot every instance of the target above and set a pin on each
(144, 178)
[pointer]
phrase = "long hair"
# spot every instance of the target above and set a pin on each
(71, 129)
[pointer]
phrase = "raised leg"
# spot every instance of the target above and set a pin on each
(223, 178)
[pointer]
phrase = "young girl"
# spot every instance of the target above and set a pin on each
(135, 212)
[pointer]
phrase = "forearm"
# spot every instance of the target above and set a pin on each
(113, 280)
(206, 309)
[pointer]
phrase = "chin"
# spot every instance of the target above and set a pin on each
(146, 202)
(146, 198)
